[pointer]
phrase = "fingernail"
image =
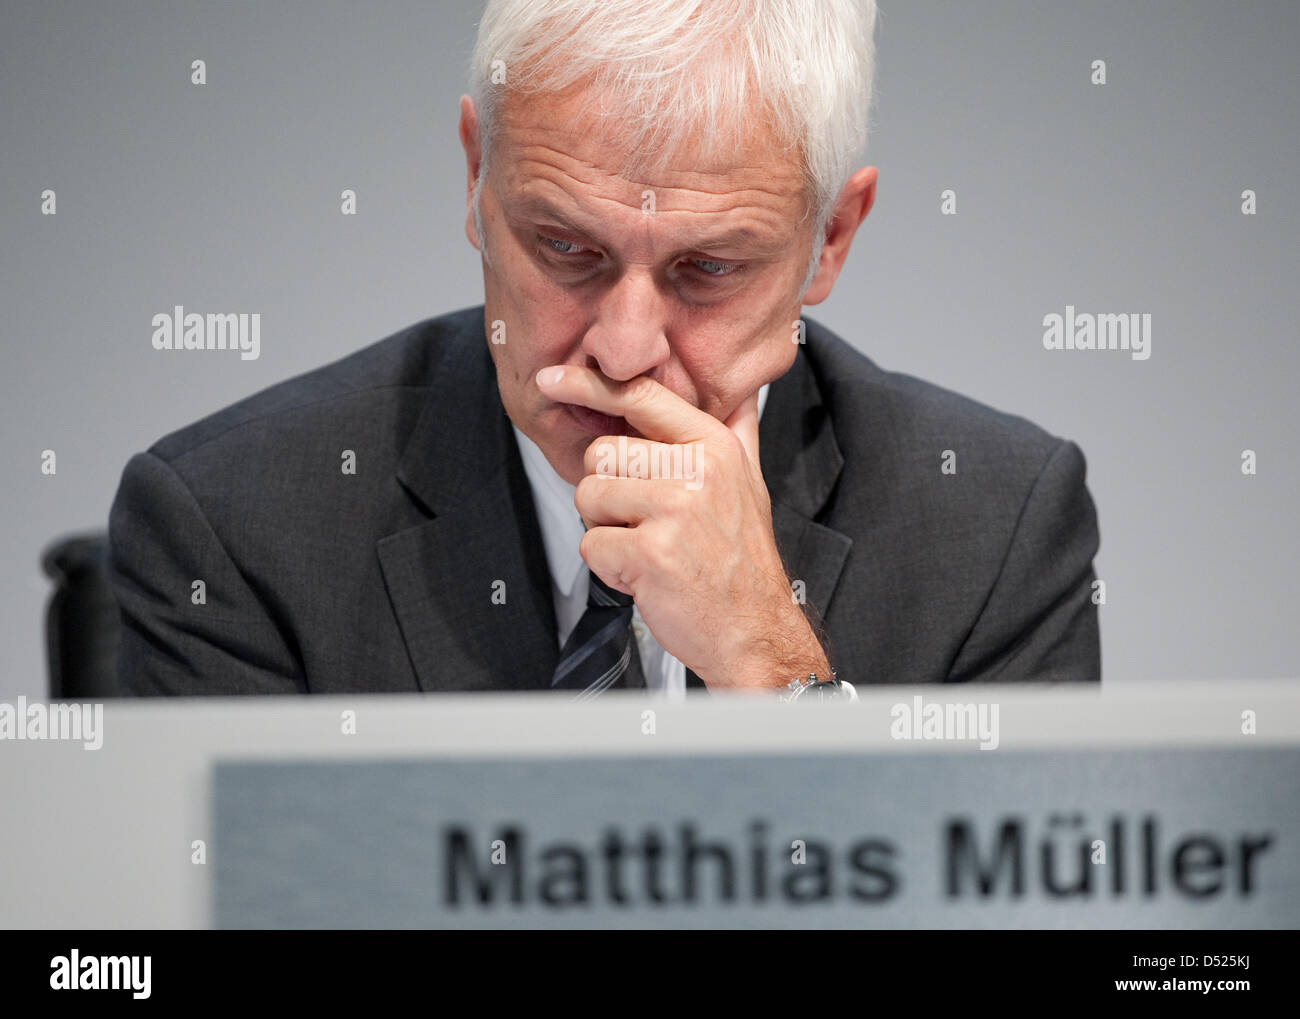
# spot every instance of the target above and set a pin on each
(550, 376)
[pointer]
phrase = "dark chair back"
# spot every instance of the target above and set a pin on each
(82, 622)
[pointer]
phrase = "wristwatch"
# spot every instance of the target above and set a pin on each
(814, 689)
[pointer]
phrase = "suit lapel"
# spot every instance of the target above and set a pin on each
(470, 587)
(801, 463)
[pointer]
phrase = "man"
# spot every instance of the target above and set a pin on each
(637, 465)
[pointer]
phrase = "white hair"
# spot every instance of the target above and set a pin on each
(667, 70)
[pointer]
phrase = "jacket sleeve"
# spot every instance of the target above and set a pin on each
(1039, 623)
(173, 641)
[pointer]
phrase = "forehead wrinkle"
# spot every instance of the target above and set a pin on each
(585, 143)
(566, 209)
(766, 175)
(675, 235)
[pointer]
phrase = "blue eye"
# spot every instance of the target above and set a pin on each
(711, 268)
(562, 247)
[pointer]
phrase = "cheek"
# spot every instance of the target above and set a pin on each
(529, 345)
(724, 372)
(540, 324)
(529, 330)
(533, 301)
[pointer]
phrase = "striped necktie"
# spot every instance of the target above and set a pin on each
(600, 653)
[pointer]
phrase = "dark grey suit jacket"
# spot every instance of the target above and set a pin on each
(319, 581)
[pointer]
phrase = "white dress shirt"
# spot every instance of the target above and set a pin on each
(562, 530)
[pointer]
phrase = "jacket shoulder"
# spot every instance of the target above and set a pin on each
(405, 362)
(913, 416)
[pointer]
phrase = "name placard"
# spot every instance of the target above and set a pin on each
(1171, 838)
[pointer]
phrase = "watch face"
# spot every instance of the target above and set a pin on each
(823, 692)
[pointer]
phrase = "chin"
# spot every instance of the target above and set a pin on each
(565, 459)
(570, 472)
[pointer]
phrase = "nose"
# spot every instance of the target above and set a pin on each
(629, 336)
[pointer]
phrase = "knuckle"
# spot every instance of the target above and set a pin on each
(641, 544)
(655, 547)
(600, 455)
(583, 491)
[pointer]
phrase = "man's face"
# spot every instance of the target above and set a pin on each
(691, 279)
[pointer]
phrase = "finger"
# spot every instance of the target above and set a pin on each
(622, 456)
(652, 409)
(608, 553)
(744, 423)
(622, 502)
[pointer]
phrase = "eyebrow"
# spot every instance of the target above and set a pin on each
(540, 208)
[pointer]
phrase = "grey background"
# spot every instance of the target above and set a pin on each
(1118, 198)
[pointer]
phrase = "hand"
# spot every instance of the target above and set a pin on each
(681, 520)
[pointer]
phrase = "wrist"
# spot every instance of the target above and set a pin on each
(779, 653)
(815, 688)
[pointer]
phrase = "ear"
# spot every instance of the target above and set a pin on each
(851, 208)
(469, 140)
